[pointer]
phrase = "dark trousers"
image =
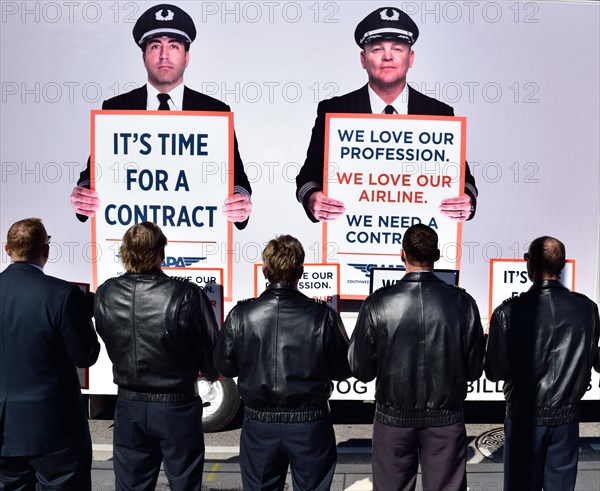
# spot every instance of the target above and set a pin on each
(540, 456)
(68, 469)
(146, 433)
(266, 450)
(442, 451)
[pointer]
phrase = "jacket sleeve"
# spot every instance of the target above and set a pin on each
(204, 330)
(595, 338)
(84, 181)
(336, 349)
(474, 343)
(225, 352)
(241, 184)
(471, 189)
(496, 358)
(310, 178)
(362, 353)
(77, 330)
(240, 179)
(84, 176)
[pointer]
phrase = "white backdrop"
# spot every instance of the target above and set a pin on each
(526, 76)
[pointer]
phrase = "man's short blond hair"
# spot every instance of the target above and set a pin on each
(283, 258)
(141, 247)
(26, 239)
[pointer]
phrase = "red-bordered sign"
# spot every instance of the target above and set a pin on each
(391, 171)
(172, 168)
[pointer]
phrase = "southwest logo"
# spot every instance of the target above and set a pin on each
(366, 268)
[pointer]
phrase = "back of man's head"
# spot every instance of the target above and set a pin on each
(420, 245)
(143, 245)
(26, 239)
(546, 256)
(283, 260)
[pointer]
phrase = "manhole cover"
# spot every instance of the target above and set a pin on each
(490, 444)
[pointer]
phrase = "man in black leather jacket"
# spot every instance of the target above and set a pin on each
(543, 344)
(159, 333)
(423, 340)
(286, 349)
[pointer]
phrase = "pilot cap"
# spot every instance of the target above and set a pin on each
(164, 20)
(386, 23)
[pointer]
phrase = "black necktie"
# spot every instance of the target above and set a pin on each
(389, 110)
(164, 102)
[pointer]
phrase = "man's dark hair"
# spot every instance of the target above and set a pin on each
(283, 259)
(142, 244)
(420, 244)
(547, 255)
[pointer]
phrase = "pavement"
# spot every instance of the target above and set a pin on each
(353, 471)
(224, 476)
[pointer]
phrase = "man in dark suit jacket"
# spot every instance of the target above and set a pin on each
(386, 37)
(164, 33)
(45, 332)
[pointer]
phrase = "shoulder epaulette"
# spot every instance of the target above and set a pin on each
(318, 300)
(182, 279)
(459, 288)
(510, 299)
(385, 287)
(246, 300)
(580, 294)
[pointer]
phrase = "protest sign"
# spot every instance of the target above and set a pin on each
(508, 278)
(319, 281)
(170, 168)
(391, 172)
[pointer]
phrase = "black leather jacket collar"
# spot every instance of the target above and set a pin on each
(281, 286)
